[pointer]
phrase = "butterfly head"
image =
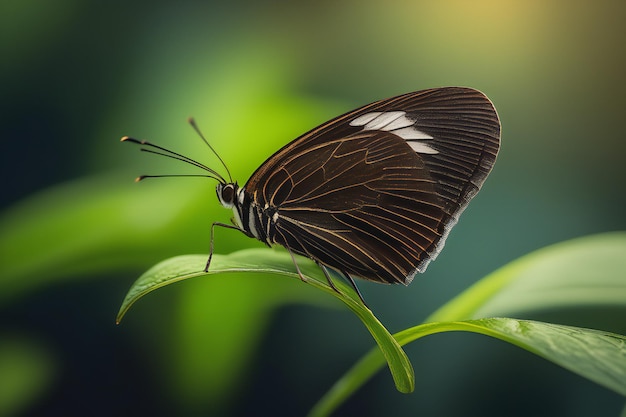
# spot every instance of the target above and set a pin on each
(232, 197)
(227, 194)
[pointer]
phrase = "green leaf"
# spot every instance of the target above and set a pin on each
(583, 272)
(92, 226)
(268, 261)
(596, 355)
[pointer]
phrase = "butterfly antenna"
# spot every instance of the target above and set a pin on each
(193, 124)
(159, 150)
(143, 177)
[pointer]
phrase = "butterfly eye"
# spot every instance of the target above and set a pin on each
(226, 194)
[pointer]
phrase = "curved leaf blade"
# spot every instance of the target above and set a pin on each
(91, 226)
(553, 273)
(587, 271)
(595, 355)
(274, 262)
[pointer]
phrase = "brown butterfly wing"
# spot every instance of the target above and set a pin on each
(377, 202)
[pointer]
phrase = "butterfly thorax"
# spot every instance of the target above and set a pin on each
(255, 221)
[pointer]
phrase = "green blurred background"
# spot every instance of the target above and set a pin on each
(75, 230)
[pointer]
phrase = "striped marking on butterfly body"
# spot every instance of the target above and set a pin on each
(236, 208)
(397, 123)
(252, 221)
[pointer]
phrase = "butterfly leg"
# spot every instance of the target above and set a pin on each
(348, 278)
(227, 226)
(293, 258)
(356, 289)
(327, 275)
(329, 279)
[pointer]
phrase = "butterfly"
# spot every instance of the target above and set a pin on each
(372, 193)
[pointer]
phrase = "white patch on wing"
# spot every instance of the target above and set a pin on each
(421, 147)
(400, 123)
(411, 133)
(397, 123)
(366, 118)
(381, 121)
